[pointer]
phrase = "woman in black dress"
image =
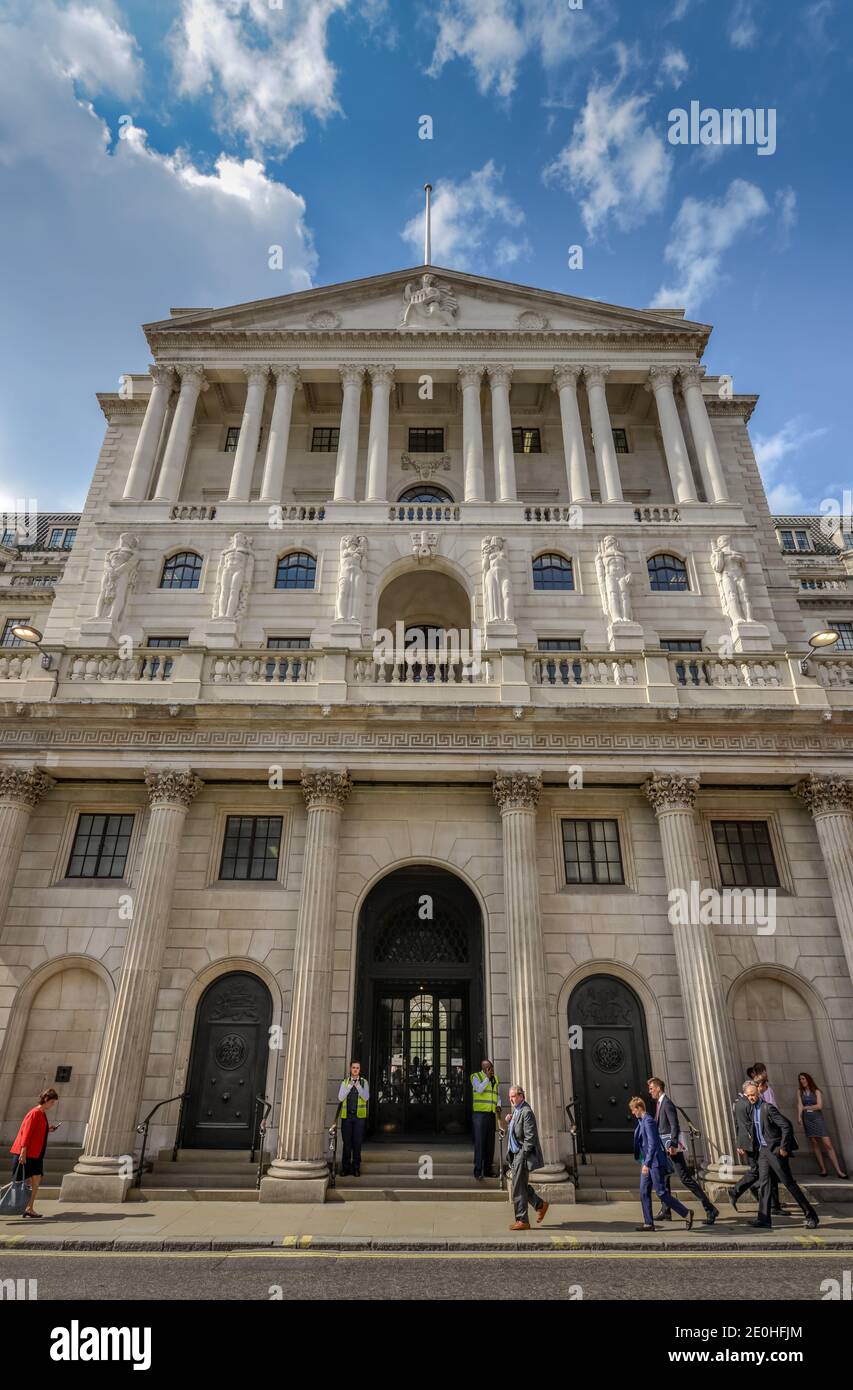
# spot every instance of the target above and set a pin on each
(810, 1109)
(30, 1144)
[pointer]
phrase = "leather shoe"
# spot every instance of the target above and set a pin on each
(811, 1221)
(688, 1221)
(761, 1225)
(644, 1228)
(542, 1213)
(734, 1201)
(520, 1226)
(664, 1215)
(711, 1214)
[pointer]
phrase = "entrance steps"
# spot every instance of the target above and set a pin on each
(59, 1160)
(616, 1178)
(200, 1175)
(392, 1173)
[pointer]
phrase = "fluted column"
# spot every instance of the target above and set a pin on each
(674, 447)
(472, 434)
(299, 1172)
(103, 1172)
(504, 454)
(577, 472)
(709, 1035)
(710, 466)
(352, 377)
(142, 463)
(830, 800)
(193, 382)
(21, 790)
(275, 460)
(517, 796)
(606, 461)
(250, 433)
(381, 379)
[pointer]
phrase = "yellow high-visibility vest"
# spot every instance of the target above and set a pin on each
(361, 1113)
(486, 1102)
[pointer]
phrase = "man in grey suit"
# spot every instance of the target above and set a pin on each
(524, 1154)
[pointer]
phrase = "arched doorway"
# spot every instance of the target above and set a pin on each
(419, 1022)
(228, 1064)
(610, 1061)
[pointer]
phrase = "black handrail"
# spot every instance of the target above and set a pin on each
(144, 1126)
(333, 1152)
(179, 1128)
(261, 1104)
(573, 1131)
(574, 1110)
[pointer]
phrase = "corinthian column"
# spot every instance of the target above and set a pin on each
(177, 445)
(472, 434)
(142, 463)
(830, 800)
(382, 379)
(21, 790)
(346, 464)
(577, 472)
(660, 382)
(105, 1169)
(250, 433)
(606, 461)
(504, 454)
(299, 1172)
(711, 1050)
(710, 467)
(517, 795)
(286, 382)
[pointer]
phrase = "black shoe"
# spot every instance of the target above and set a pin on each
(711, 1215)
(812, 1221)
(734, 1200)
(762, 1225)
(356, 1172)
(644, 1228)
(688, 1220)
(664, 1216)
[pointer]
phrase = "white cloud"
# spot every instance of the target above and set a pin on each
(675, 66)
(703, 231)
(678, 11)
(465, 217)
(266, 67)
(783, 492)
(616, 163)
(89, 44)
(743, 27)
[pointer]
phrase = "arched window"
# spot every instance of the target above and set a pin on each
(297, 570)
(425, 492)
(667, 573)
(181, 571)
(553, 572)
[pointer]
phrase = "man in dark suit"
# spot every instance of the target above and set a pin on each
(666, 1118)
(524, 1154)
(747, 1147)
(776, 1142)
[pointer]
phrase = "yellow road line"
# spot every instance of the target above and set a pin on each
(558, 1254)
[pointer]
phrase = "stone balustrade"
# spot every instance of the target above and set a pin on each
(145, 664)
(656, 514)
(834, 672)
(419, 670)
(576, 668)
(261, 668)
(15, 666)
(737, 673)
(550, 513)
(193, 511)
(424, 511)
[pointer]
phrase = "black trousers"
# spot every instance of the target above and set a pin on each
(352, 1138)
(770, 1163)
(687, 1179)
(484, 1145)
(749, 1183)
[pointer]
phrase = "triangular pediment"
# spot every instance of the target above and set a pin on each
(429, 299)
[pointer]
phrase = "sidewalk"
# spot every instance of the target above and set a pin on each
(353, 1226)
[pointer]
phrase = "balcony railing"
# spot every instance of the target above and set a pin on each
(424, 511)
(414, 670)
(146, 664)
(738, 673)
(575, 669)
(264, 668)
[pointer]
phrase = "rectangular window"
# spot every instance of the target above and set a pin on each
(9, 537)
(288, 644)
(620, 441)
(56, 538)
(232, 439)
(745, 854)
(845, 636)
(9, 639)
(100, 847)
(167, 641)
(69, 538)
(802, 539)
(526, 441)
(251, 847)
(426, 441)
(559, 644)
(681, 644)
(324, 439)
(591, 851)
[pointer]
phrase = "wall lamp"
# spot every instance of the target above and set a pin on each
(25, 633)
(827, 637)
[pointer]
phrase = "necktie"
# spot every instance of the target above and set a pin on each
(657, 1108)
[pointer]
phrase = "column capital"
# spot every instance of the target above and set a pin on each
(566, 375)
(470, 375)
(255, 372)
(24, 786)
(170, 787)
(661, 375)
(596, 376)
(669, 791)
(517, 791)
(826, 795)
(192, 374)
(381, 374)
(323, 788)
(161, 376)
(499, 374)
(283, 371)
(351, 373)
(692, 375)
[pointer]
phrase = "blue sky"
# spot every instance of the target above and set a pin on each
(249, 123)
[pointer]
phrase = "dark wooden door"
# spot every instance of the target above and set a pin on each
(421, 1047)
(229, 1063)
(610, 1065)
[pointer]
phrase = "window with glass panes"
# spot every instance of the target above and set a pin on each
(681, 644)
(100, 846)
(745, 854)
(296, 571)
(667, 573)
(591, 851)
(426, 441)
(620, 441)
(288, 644)
(552, 572)
(251, 847)
(9, 639)
(526, 441)
(232, 439)
(845, 636)
(181, 571)
(324, 439)
(151, 665)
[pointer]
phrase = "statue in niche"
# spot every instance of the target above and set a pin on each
(234, 578)
(119, 577)
(497, 586)
(351, 579)
(730, 569)
(614, 580)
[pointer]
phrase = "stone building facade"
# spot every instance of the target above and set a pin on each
(426, 640)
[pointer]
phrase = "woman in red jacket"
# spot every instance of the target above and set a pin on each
(30, 1144)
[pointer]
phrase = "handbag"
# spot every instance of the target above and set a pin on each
(15, 1196)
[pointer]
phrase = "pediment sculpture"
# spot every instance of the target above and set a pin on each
(429, 300)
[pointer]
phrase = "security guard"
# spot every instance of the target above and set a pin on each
(487, 1110)
(354, 1094)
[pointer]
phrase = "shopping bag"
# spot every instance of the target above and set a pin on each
(15, 1197)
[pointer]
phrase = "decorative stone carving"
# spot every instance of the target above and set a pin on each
(234, 578)
(614, 580)
(497, 586)
(470, 374)
(325, 788)
(565, 375)
(119, 577)
(596, 376)
(351, 579)
(517, 791)
(24, 786)
(826, 795)
(531, 320)
(500, 375)
(429, 300)
(692, 375)
(172, 788)
(730, 569)
(351, 374)
(669, 791)
(425, 466)
(324, 318)
(424, 545)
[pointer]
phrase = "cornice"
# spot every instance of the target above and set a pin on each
(116, 407)
(415, 342)
(739, 406)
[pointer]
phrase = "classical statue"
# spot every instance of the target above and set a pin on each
(431, 299)
(497, 588)
(119, 577)
(351, 579)
(234, 578)
(614, 580)
(730, 568)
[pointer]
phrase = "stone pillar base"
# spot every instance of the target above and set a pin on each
(750, 637)
(500, 636)
(99, 632)
(94, 1187)
(625, 637)
(293, 1181)
(552, 1184)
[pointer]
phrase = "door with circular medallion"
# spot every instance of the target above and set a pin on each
(228, 1067)
(611, 1065)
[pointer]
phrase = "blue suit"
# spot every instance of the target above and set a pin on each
(649, 1151)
